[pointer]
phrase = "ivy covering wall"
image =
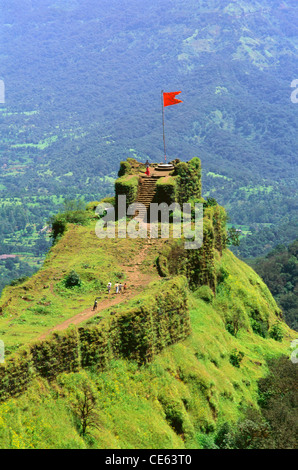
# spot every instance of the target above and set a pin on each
(166, 190)
(198, 265)
(126, 185)
(138, 333)
(182, 185)
(189, 184)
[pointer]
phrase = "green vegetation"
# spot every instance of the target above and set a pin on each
(196, 356)
(72, 280)
(127, 185)
(166, 190)
(181, 399)
(279, 271)
(75, 213)
(164, 358)
(274, 425)
(188, 180)
(60, 139)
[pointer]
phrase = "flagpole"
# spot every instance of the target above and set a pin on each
(163, 125)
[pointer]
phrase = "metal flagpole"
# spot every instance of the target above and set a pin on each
(163, 125)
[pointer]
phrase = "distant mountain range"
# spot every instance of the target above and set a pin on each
(83, 84)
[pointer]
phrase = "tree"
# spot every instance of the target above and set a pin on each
(278, 399)
(84, 408)
(233, 237)
(81, 395)
(74, 205)
(73, 279)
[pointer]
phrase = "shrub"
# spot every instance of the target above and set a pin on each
(259, 327)
(236, 357)
(18, 281)
(125, 168)
(162, 266)
(223, 437)
(91, 206)
(205, 293)
(252, 432)
(235, 321)
(165, 190)
(189, 180)
(72, 280)
(59, 222)
(126, 185)
(211, 201)
(233, 237)
(206, 442)
(275, 332)
(222, 275)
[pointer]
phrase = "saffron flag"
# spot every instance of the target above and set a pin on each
(169, 98)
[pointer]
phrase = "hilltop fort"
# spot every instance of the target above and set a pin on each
(202, 311)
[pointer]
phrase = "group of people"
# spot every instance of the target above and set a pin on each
(119, 287)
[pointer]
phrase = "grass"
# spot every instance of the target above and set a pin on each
(187, 391)
(96, 261)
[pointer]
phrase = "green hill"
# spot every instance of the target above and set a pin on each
(89, 96)
(163, 365)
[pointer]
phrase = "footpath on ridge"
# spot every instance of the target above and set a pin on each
(136, 280)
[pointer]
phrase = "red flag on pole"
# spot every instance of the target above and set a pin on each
(169, 98)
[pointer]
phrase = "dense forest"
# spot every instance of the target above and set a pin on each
(82, 93)
(279, 270)
(274, 426)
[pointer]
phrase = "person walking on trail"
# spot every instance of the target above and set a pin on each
(95, 305)
(124, 287)
(120, 288)
(117, 287)
(147, 168)
(109, 287)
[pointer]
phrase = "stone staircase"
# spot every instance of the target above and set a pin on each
(146, 194)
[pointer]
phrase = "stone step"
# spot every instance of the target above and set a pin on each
(145, 197)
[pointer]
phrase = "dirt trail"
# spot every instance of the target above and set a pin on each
(136, 280)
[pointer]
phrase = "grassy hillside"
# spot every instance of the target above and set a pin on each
(174, 401)
(89, 96)
(36, 305)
